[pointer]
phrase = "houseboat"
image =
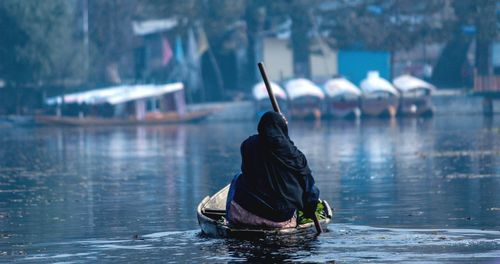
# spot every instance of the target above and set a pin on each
(305, 99)
(415, 96)
(121, 105)
(379, 98)
(343, 98)
(261, 98)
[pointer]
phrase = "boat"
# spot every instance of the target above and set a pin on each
(305, 99)
(212, 210)
(379, 97)
(156, 119)
(415, 96)
(121, 105)
(343, 98)
(261, 97)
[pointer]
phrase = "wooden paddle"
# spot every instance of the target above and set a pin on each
(276, 108)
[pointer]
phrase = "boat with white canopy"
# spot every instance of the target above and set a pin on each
(121, 105)
(415, 95)
(261, 98)
(379, 97)
(343, 98)
(305, 98)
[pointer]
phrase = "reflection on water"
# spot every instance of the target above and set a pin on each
(129, 193)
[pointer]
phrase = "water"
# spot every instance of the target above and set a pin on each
(413, 190)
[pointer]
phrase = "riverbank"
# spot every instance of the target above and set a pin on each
(446, 102)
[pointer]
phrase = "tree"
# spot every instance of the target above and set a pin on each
(14, 37)
(301, 17)
(474, 20)
(383, 24)
(487, 30)
(449, 67)
(111, 38)
(39, 47)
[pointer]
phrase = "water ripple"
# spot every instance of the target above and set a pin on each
(344, 243)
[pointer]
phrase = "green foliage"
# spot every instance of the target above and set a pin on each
(320, 213)
(41, 37)
(386, 24)
(13, 37)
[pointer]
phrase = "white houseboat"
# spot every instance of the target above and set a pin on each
(343, 98)
(305, 99)
(261, 98)
(379, 97)
(415, 96)
(121, 105)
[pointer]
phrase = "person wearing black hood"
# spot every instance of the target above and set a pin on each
(275, 179)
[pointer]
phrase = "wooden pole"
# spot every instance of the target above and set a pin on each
(262, 70)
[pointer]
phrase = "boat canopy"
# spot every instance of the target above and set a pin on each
(260, 92)
(406, 83)
(303, 87)
(338, 86)
(145, 91)
(374, 83)
(117, 95)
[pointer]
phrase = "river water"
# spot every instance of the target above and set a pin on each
(413, 190)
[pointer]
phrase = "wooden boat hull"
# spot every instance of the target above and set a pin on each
(264, 105)
(168, 118)
(416, 106)
(305, 107)
(379, 107)
(343, 108)
(212, 209)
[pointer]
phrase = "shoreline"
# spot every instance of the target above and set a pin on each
(446, 102)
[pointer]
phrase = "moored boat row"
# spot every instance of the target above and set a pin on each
(340, 98)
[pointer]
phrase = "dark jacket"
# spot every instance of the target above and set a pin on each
(275, 179)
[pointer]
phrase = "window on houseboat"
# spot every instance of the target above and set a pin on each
(153, 105)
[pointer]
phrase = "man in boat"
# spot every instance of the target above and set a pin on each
(275, 179)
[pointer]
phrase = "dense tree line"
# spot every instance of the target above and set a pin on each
(39, 43)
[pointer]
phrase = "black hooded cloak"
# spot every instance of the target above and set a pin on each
(275, 179)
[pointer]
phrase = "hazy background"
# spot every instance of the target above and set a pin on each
(59, 46)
